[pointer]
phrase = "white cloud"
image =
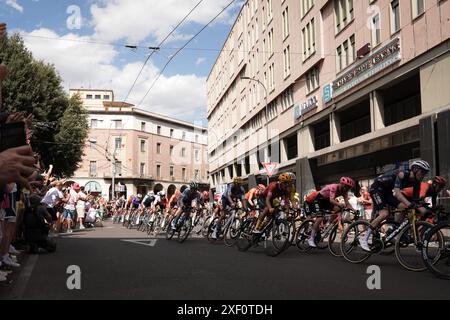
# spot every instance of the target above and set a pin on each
(200, 61)
(86, 64)
(13, 4)
(139, 19)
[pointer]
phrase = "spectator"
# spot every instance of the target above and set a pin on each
(37, 224)
(8, 221)
(51, 199)
(69, 208)
(366, 201)
(81, 204)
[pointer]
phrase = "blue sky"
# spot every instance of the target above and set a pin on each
(49, 26)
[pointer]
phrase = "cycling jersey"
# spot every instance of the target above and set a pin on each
(160, 201)
(234, 192)
(425, 192)
(382, 187)
(186, 198)
(276, 191)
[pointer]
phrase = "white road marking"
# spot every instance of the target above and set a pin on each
(143, 242)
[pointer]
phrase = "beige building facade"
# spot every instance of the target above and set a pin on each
(353, 88)
(153, 152)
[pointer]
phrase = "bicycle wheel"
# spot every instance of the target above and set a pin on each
(408, 253)
(245, 236)
(350, 248)
(185, 230)
(278, 239)
(169, 231)
(303, 234)
(437, 259)
(231, 233)
(210, 232)
(334, 240)
(205, 227)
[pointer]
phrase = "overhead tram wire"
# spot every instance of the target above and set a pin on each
(184, 46)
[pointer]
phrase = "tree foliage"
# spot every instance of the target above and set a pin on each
(34, 86)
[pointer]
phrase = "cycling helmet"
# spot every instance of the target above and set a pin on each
(206, 195)
(151, 194)
(238, 180)
(440, 181)
(421, 164)
(139, 195)
(346, 181)
(285, 177)
(194, 185)
(162, 194)
(293, 176)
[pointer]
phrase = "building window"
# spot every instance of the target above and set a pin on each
(142, 126)
(171, 173)
(272, 77)
(98, 97)
(309, 40)
(106, 97)
(269, 10)
(184, 136)
(395, 16)
(183, 152)
(197, 156)
(158, 148)
(171, 150)
(376, 36)
(94, 123)
(287, 61)
(158, 130)
(285, 16)
(305, 6)
(158, 171)
(171, 133)
(312, 79)
(117, 124)
(197, 175)
(118, 143)
(287, 99)
(270, 43)
(418, 8)
(92, 142)
(118, 168)
(196, 138)
(345, 53)
(89, 96)
(183, 174)
(142, 169)
(343, 10)
(93, 168)
(142, 145)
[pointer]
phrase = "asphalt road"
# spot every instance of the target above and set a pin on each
(112, 268)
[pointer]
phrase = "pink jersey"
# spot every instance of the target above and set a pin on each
(332, 191)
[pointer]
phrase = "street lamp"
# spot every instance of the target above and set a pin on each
(113, 162)
(266, 114)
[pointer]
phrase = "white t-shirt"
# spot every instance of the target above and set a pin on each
(51, 197)
(80, 202)
(72, 200)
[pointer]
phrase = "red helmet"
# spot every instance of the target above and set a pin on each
(348, 182)
(206, 194)
(216, 196)
(440, 181)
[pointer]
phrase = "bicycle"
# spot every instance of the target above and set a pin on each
(274, 234)
(437, 260)
(183, 226)
(408, 247)
(328, 231)
(228, 228)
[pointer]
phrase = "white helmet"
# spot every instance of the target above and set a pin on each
(421, 164)
(150, 193)
(162, 194)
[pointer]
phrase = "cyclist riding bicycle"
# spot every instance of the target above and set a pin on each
(428, 190)
(187, 200)
(275, 190)
(136, 202)
(386, 192)
(325, 200)
(148, 199)
(160, 202)
(253, 195)
(232, 194)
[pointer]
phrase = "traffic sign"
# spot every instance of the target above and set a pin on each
(271, 168)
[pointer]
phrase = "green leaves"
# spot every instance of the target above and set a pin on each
(35, 87)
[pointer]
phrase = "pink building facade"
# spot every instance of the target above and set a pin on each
(153, 152)
(352, 87)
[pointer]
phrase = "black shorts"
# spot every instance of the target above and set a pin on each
(383, 199)
(52, 213)
(322, 204)
(135, 205)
